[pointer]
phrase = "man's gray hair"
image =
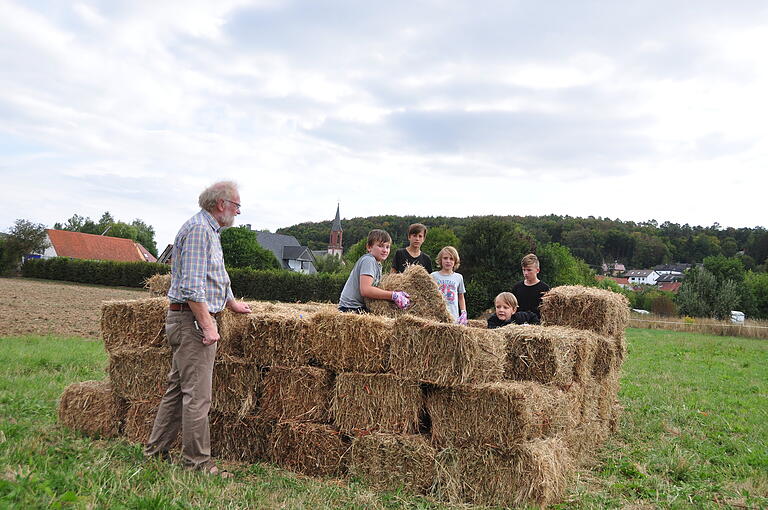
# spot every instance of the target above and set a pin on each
(223, 190)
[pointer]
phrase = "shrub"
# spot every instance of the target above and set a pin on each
(102, 272)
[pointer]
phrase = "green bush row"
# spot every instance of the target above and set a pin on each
(102, 272)
(268, 285)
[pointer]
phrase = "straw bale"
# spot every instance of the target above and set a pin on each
(308, 308)
(446, 354)
(309, 448)
(601, 397)
(391, 462)
(233, 327)
(276, 338)
(585, 439)
(381, 402)
(236, 385)
(426, 299)
(139, 421)
(601, 311)
(297, 394)
(140, 374)
(536, 472)
(477, 323)
(92, 408)
(549, 354)
(133, 323)
(240, 438)
(500, 415)
(158, 284)
(608, 357)
(350, 342)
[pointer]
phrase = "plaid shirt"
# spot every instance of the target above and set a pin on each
(197, 272)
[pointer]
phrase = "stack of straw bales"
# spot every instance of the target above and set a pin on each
(464, 414)
(426, 299)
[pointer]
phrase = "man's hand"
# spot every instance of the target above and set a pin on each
(211, 334)
(239, 306)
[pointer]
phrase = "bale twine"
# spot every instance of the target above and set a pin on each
(499, 415)
(93, 408)
(391, 462)
(158, 284)
(140, 374)
(276, 338)
(377, 402)
(445, 354)
(535, 472)
(297, 394)
(350, 342)
(240, 438)
(549, 355)
(426, 299)
(133, 323)
(236, 385)
(310, 448)
(601, 311)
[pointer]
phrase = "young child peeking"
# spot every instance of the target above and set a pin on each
(451, 283)
(366, 275)
(506, 312)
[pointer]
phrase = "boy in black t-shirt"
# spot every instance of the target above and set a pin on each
(413, 254)
(529, 291)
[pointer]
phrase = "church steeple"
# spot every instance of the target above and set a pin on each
(335, 246)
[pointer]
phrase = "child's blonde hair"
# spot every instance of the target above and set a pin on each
(378, 236)
(453, 252)
(530, 260)
(507, 298)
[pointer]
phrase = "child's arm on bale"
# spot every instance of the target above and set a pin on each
(367, 289)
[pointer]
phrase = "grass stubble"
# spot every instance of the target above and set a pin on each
(694, 434)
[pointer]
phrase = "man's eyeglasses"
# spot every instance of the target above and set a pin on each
(233, 203)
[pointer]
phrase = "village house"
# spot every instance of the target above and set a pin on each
(641, 276)
(78, 245)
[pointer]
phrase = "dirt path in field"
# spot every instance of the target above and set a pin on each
(40, 307)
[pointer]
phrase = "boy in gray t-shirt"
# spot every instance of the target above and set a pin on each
(366, 275)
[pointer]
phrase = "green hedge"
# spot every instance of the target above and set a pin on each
(269, 285)
(102, 272)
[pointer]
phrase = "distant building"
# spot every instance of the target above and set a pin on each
(672, 268)
(334, 245)
(621, 282)
(614, 269)
(165, 257)
(288, 252)
(78, 245)
(641, 276)
(670, 278)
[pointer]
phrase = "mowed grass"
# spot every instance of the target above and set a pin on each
(694, 435)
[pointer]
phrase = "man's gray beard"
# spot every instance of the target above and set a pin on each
(227, 220)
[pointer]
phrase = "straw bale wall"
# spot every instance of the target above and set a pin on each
(240, 438)
(92, 408)
(501, 415)
(394, 461)
(236, 386)
(309, 448)
(446, 354)
(598, 310)
(350, 342)
(536, 472)
(133, 323)
(297, 394)
(377, 402)
(276, 338)
(140, 374)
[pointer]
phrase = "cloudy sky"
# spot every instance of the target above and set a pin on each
(630, 110)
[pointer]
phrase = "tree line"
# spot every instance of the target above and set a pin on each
(593, 240)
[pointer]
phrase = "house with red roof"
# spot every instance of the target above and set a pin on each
(90, 246)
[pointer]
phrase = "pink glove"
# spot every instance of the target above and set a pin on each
(462, 318)
(401, 299)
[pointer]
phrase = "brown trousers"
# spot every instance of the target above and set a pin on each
(187, 399)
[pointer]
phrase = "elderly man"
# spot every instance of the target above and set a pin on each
(200, 289)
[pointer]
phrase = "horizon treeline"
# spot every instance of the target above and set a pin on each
(594, 240)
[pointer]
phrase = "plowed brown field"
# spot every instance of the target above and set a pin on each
(39, 307)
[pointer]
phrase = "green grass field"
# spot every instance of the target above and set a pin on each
(694, 435)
